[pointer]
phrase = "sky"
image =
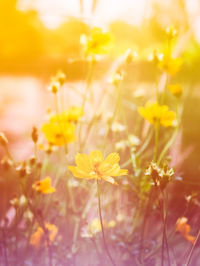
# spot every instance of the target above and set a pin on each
(54, 12)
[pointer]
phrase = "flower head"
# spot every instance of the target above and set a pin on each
(153, 112)
(94, 166)
(97, 43)
(59, 133)
(44, 186)
(184, 228)
(38, 237)
(176, 89)
(71, 115)
(170, 65)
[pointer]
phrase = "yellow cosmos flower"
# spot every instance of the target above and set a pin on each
(44, 186)
(153, 112)
(184, 229)
(38, 238)
(97, 43)
(170, 65)
(58, 133)
(176, 89)
(94, 166)
(71, 115)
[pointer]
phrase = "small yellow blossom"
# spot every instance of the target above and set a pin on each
(38, 237)
(153, 112)
(184, 228)
(95, 166)
(97, 43)
(44, 186)
(176, 89)
(94, 227)
(71, 115)
(170, 65)
(58, 133)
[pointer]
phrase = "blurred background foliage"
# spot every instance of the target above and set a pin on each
(27, 45)
(29, 48)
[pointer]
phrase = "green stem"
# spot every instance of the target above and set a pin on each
(102, 228)
(192, 250)
(156, 141)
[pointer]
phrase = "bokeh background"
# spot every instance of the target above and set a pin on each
(39, 37)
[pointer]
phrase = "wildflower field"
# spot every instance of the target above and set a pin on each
(99, 133)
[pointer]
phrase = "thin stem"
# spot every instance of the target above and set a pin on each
(5, 248)
(102, 228)
(156, 140)
(192, 250)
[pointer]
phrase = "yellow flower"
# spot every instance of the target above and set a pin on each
(38, 238)
(153, 112)
(94, 227)
(44, 186)
(71, 115)
(184, 228)
(97, 43)
(176, 89)
(94, 166)
(59, 133)
(170, 65)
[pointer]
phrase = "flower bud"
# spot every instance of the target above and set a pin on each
(34, 135)
(3, 139)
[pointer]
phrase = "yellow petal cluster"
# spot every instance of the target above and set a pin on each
(97, 43)
(176, 89)
(38, 237)
(155, 113)
(44, 186)
(71, 115)
(184, 229)
(170, 65)
(94, 166)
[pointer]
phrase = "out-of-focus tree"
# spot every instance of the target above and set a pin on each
(21, 32)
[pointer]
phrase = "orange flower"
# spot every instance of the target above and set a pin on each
(95, 167)
(38, 238)
(184, 228)
(176, 89)
(44, 186)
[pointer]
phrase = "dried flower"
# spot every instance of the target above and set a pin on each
(160, 176)
(95, 167)
(34, 134)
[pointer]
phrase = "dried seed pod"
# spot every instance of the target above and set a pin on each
(34, 134)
